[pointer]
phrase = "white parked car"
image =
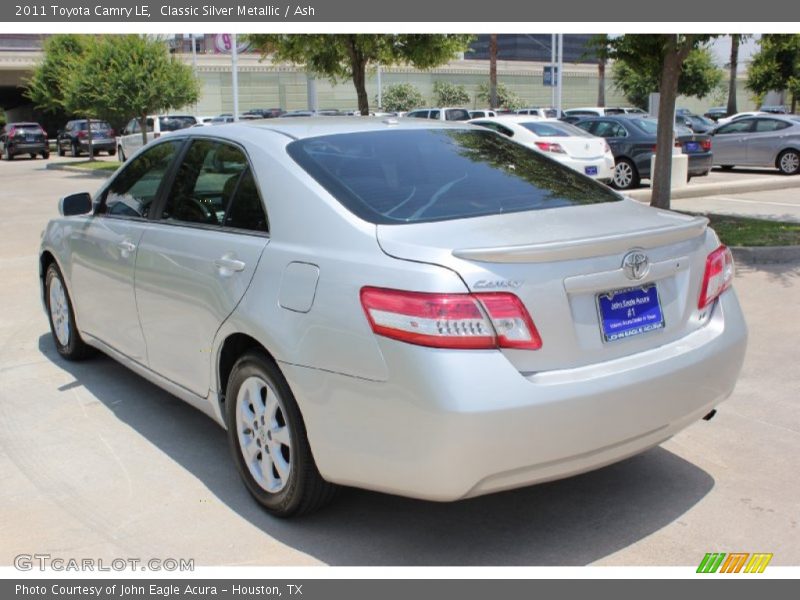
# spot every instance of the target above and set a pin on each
(440, 114)
(563, 142)
(480, 113)
(603, 111)
(130, 138)
(541, 112)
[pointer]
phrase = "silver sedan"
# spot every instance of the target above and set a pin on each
(420, 308)
(760, 141)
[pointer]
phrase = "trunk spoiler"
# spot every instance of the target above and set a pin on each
(587, 247)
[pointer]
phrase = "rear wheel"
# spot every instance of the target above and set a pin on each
(46, 154)
(268, 440)
(62, 318)
(112, 152)
(626, 176)
(789, 162)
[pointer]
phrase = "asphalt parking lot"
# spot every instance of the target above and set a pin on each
(96, 462)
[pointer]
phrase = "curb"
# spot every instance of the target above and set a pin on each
(780, 182)
(88, 172)
(765, 255)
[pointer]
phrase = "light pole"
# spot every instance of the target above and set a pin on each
(235, 78)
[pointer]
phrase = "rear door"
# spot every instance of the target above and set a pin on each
(197, 259)
(768, 138)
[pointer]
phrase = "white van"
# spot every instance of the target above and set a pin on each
(130, 138)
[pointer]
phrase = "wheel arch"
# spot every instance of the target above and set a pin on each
(795, 148)
(234, 346)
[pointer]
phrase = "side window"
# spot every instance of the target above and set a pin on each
(132, 126)
(135, 187)
(608, 129)
(434, 114)
(497, 127)
(246, 210)
(765, 125)
(149, 125)
(587, 126)
(205, 183)
(742, 126)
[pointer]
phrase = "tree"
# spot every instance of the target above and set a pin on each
(124, 75)
(347, 56)
(733, 67)
(699, 77)
(662, 56)
(776, 66)
(446, 93)
(505, 97)
(599, 47)
(493, 102)
(402, 97)
(46, 87)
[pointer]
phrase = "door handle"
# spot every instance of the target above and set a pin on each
(126, 246)
(227, 264)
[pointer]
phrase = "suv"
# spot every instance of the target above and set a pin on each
(130, 139)
(75, 138)
(23, 138)
(440, 114)
(542, 113)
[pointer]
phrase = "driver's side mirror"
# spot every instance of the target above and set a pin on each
(75, 204)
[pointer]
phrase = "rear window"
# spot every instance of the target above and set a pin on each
(555, 129)
(175, 123)
(647, 125)
(28, 129)
(96, 126)
(413, 176)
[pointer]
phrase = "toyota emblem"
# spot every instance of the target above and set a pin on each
(636, 265)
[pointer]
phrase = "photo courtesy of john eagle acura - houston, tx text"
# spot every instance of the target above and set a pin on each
(419, 307)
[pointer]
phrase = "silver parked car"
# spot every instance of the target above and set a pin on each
(416, 307)
(762, 141)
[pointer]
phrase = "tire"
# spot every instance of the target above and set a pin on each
(60, 149)
(121, 154)
(789, 162)
(112, 152)
(33, 155)
(74, 151)
(7, 154)
(626, 176)
(727, 167)
(46, 154)
(62, 318)
(258, 406)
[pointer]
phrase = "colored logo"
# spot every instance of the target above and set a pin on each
(734, 562)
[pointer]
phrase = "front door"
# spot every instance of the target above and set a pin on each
(105, 249)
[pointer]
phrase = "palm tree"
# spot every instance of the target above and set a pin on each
(493, 70)
(733, 66)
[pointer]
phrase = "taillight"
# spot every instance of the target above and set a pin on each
(550, 147)
(717, 277)
(465, 321)
(706, 145)
(82, 134)
(13, 132)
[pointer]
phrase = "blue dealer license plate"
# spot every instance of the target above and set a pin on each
(629, 312)
(692, 146)
(590, 170)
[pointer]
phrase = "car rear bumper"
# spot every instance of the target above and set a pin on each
(27, 148)
(700, 164)
(103, 145)
(604, 166)
(455, 424)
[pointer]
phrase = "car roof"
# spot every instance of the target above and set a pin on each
(513, 119)
(320, 126)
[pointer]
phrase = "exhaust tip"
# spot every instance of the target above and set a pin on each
(710, 415)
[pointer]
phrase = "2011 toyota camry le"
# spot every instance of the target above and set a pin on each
(420, 308)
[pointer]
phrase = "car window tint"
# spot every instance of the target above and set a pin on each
(456, 114)
(133, 190)
(421, 175)
(175, 123)
(204, 183)
(765, 125)
(246, 210)
(496, 127)
(736, 127)
(434, 114)
(609, 129)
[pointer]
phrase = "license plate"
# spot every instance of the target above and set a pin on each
(590, 170)
(628, 312)
(692, 146)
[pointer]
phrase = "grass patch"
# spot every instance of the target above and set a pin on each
(95, 165)
(745, 231)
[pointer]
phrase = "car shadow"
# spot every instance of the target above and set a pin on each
(570, 522)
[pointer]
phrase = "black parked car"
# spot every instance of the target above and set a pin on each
(716, 113)
(696, 123)
(74, 138)
(633, 140)
(23, 138)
